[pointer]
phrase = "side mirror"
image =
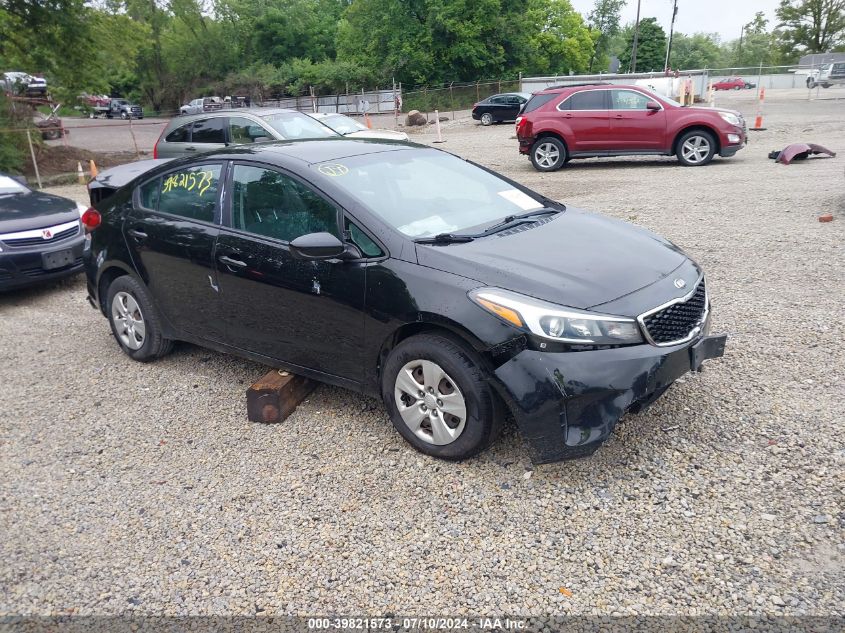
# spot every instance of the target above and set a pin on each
(317, 246)
(652, 105)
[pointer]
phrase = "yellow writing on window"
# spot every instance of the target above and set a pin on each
(198, 181)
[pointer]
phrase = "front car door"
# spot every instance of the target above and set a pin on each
(632, 125)
(305, 313)
(512, 107)
(588, 117)
(171, 233)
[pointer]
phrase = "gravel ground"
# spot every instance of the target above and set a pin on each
(142, 488)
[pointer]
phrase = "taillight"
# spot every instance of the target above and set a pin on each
(155, 147)
(91, 219)
(520, 124)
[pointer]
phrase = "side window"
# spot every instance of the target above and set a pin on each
(628, 100)
(180, 135)
(588, 100)
(243, 130)
(148, 194)
(368, 247)
(266, 202)
(191, 192)
(209, 131)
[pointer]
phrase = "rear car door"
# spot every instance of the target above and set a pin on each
(171, 233)
(307, 313)
(632, 125)
(588, 117)
(207, 134)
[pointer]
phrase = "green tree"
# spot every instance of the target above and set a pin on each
(700, 50)
(651, 47)
(604, 21)
(757, 46)
(812, 26)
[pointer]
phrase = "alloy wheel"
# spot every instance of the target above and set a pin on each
(486, 118)
(546, 155)
(696, 149)
(128, 320)
(430, 402)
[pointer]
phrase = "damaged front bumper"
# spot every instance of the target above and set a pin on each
(566, 404)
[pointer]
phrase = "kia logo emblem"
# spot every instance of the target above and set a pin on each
(46, 234)
(680, 283)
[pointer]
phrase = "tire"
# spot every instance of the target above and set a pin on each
(810, 83)
(129, 305)
(486, 118)
(696, 148)
(548, 154)
(737, 87)
(826, 85)
(123, 116)
(471, 416)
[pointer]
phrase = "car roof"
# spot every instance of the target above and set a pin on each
(312, 151)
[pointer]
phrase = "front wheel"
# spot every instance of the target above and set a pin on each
(548, 154)
(134, 321)
(696, 147)
(439, 398)
(486, 118)
(123, 116)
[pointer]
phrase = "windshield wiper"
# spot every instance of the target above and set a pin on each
(445, 238)
(516, 219)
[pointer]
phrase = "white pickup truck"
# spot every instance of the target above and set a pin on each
(827, 75)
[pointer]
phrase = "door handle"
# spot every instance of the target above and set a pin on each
(619, 116)
(224, 259)
(138, 235)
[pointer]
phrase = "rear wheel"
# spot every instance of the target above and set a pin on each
(737, 87)
(548, 154)
(486, 118)
(439, 398)
(696, 147)
(134, 321)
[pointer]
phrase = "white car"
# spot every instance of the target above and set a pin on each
(16, 81)
(348, 126)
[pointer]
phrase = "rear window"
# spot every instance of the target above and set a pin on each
(295, 125)
(587, 100)
(179, 135)
(537, 101)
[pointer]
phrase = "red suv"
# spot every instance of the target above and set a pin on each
(584, 121)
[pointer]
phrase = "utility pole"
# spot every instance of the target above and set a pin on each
(671, 32)
(636, 39)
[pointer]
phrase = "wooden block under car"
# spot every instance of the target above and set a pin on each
(276, 395)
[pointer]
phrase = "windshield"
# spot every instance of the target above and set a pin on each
(294, 125)
(343, 124)
(426, 192)
(10, 185)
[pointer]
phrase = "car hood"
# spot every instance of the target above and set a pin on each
(578, 259)
(35, 210)
(717, 110)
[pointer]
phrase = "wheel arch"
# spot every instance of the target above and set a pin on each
(697, 126)
(430, 325)
(107, 275)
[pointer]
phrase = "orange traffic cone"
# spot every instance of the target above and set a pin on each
(367, 121)
(80, 176)
(92, 166)
(758, 121)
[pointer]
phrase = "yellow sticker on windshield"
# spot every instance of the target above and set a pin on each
(333, 169)
(190, 181)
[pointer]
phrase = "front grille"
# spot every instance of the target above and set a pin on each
(677, 321)
(40, 272)
(35, 241)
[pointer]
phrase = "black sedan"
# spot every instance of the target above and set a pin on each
(503, 107)
(454, 303)
(41, 237)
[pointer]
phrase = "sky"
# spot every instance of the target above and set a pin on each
(724, 17)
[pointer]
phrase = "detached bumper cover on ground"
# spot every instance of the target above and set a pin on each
(567, 404)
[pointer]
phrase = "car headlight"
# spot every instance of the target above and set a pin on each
(730, 118)
(555, 322)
